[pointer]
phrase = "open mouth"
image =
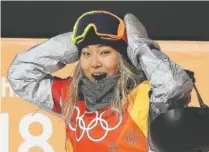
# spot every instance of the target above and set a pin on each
(99, 76)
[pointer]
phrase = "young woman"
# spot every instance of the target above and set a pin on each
(121, 83)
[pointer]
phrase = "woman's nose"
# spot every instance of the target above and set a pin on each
(95, 62)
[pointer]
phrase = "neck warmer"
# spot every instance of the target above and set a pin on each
(98, 95)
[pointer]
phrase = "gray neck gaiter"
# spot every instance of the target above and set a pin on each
(98, 95)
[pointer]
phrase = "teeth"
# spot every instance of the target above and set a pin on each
(97, 73)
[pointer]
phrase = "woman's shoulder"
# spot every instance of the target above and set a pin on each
(58, 83)
(144, 85)
(142, 90)
(60, 86)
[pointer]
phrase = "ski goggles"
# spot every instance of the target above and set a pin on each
(106, 25)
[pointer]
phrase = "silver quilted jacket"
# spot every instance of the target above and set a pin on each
(30, 72)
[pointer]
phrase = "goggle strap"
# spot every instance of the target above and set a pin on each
(124, 37)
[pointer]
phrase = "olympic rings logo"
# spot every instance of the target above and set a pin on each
(79, 122)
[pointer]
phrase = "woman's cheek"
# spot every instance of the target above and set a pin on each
(111, 67)
(84, 63)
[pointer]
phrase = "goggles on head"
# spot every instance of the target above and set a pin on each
(106, 25)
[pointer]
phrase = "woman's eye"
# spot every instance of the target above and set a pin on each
(85, 54)
(105, 52)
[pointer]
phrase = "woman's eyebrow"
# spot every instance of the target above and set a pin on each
(86, 47)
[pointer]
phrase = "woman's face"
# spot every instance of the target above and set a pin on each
(98, 61)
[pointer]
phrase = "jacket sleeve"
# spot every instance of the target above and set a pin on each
(170, 83)
(30, 73)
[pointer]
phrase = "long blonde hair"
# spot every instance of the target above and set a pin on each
(128, 76)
